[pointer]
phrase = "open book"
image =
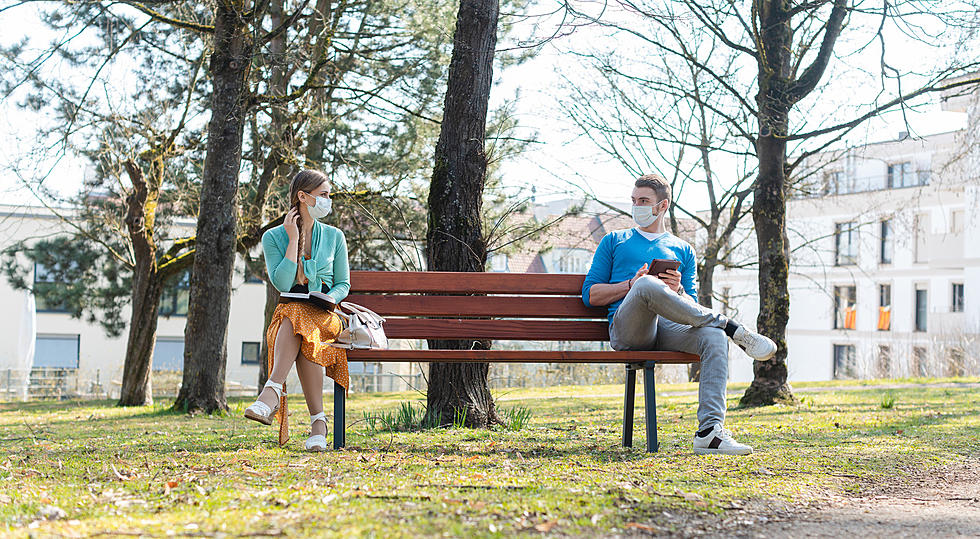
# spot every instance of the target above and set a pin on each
(300, 293)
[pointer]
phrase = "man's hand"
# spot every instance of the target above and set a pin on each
(672, 278)
(645, 269)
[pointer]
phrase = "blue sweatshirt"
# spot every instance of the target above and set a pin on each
(622, 252)
(327, 264)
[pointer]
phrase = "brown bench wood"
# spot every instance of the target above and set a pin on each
(497, 306)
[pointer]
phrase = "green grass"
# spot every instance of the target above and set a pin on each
(148, 471)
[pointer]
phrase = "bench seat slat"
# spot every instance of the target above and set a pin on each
(520, 356)
(489, 306)
(504, 330)
(445, 282)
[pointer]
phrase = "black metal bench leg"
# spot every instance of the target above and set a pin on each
(628, 406)
(650, 404)
(339, 409)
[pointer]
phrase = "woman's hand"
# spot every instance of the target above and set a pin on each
(291, 224)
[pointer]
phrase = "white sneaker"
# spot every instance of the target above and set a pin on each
(758, 347)
(317, 442)
(719, 441)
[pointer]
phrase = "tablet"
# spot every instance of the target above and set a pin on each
(660, 265)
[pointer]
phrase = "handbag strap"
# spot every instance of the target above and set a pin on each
(360, 309)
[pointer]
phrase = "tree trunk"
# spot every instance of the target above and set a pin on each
(454, 240)
(706, 278)
(271, 300)
(137, 389)
(769, 385)
(206, 334)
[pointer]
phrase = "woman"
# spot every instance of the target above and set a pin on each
(308, 254)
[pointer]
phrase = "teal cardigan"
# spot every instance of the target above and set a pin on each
(327, 264)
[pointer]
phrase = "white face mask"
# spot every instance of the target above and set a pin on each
(644, 216)
(321, 208)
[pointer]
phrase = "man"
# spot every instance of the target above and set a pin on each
(660, 312)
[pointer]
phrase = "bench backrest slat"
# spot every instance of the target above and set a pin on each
(473, 306)
(506, 330)
(445, 282)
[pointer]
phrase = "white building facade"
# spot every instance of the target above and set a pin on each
(885, 264)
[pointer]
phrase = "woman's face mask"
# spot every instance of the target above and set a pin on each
(321, 207)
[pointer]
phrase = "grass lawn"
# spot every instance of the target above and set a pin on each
(83, 468)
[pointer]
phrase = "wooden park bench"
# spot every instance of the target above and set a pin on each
(497, 306)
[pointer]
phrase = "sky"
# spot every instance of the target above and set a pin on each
(561, 163)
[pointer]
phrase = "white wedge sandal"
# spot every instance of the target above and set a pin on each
(317, 442)
(262, 412)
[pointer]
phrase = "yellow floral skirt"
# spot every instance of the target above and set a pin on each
(317, 329)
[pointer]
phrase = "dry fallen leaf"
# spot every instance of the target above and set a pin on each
(638, 526)
(546, 526)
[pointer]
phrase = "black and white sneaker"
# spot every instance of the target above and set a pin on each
(719, 441)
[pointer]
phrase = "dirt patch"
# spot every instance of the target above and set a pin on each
(941, 502)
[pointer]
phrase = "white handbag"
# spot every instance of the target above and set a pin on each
(362, 328)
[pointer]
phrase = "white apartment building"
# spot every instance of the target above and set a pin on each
(885, 264)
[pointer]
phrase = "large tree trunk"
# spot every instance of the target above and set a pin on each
(271, 300)
(206, 334)
(769, 385)
(454, 240)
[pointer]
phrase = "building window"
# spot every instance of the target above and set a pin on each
(571, 260)
(250, 353)
(835, 183)
(845, 237)
(845, 361)
(884, 307)
(919, 367)
(884, 365)
(47, 289)
(957, 222)
(901, 175)
(845, 307)
(56, 351)
(921, 308)
(175, 297)
(956, 305)
(498, 262)
(168, 354)
(920, 229)
(887, 242)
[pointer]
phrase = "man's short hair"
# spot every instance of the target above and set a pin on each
(657, 183)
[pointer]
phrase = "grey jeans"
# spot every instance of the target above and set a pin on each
(654, 317)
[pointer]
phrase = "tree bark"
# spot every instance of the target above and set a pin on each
(147, 286)
(454, 240)
(206, 334)
(769, 385)
(271, 300)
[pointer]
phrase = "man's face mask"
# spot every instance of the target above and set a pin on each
(644, 215)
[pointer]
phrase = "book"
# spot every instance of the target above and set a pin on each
(301, 293)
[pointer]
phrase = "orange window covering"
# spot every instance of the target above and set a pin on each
(884, 318)
(850, 318)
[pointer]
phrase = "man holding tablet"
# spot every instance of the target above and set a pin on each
(647, 277)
